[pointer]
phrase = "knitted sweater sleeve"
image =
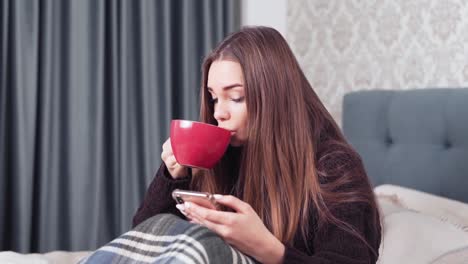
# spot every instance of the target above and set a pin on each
(158, 197)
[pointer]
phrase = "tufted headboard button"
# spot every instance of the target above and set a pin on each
(389, 141)
(447, 144)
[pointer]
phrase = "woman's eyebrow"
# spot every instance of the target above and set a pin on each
(227, 87)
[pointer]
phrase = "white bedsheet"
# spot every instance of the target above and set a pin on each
(54, 257)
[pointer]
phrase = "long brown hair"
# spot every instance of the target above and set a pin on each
(296, 157)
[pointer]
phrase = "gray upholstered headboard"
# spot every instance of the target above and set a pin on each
(414, 138)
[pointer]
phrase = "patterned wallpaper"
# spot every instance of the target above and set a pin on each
(347, 45)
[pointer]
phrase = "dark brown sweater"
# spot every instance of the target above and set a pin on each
(330, 245)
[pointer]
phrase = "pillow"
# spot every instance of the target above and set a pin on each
(415, 234)
(418, 238)
(458, 256)
(443, 208)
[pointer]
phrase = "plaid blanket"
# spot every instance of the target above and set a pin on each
(166, 238)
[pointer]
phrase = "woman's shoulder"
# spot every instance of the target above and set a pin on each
(334, 157)
(341, 173)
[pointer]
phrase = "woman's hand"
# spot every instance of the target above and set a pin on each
(242, 229)
(175, 169)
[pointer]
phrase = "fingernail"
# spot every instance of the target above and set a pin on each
(181, 207)
(217, 196)
(187, 205)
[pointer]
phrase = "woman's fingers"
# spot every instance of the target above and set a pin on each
(168, 156)
(200, 212)
(165, 155)
(169, 159)
(166, 150)
(233, 202)
(167, 144)
(220, 229)
(181, 209)
(171, 162)
(175, 169)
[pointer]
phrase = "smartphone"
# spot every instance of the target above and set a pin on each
(201, 198)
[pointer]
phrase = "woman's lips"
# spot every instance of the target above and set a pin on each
(232, 131)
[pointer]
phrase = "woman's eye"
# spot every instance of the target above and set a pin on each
(238, 100)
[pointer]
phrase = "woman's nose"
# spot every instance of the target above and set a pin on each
(220, 114)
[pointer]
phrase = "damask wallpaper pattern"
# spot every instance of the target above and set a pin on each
(347, 45)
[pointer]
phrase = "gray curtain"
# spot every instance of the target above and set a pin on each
(87, 91)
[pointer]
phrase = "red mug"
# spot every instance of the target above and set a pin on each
(197, 144)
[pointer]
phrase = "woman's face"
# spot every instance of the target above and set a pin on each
(226, 86)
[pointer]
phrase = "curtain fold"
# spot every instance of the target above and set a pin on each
(87, 91)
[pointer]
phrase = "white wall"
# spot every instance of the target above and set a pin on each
(272, 13)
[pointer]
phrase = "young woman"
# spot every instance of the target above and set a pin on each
(295, 190)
